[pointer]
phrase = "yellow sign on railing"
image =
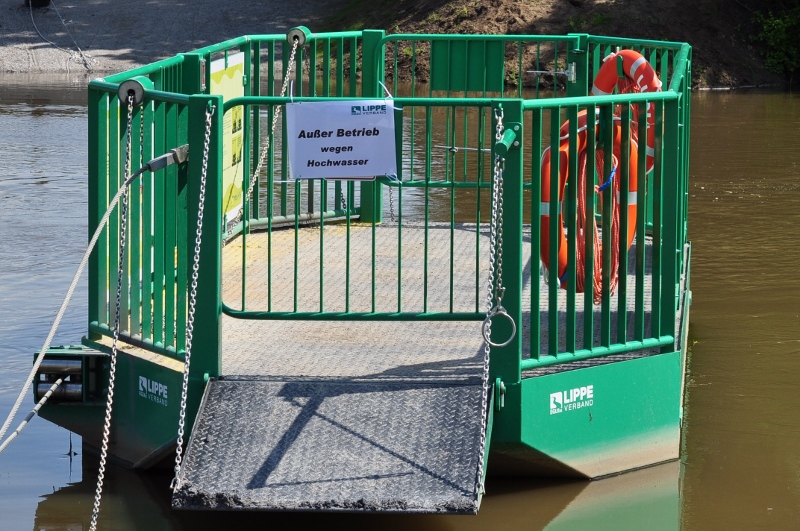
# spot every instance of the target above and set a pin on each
(226, 79)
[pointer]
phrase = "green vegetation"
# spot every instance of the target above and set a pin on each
(779, 33)
(576, 24)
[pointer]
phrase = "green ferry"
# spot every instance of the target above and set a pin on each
(330, 281)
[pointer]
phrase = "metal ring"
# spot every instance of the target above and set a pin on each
(486, 329)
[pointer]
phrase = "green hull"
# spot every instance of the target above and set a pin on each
(146, 406)
(628, 419)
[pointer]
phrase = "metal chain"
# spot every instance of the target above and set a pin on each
(494, 292)
(391, 204)
(265, 149)
(123, 214)
(192, 300)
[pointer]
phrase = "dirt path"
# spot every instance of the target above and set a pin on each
(116, 36)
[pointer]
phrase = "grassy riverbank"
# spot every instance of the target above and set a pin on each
(723, 33)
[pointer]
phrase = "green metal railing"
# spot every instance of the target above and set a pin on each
(154, 310)
(447, 90)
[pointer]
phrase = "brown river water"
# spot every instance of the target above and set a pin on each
(740, 464)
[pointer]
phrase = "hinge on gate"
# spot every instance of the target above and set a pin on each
(499, 394)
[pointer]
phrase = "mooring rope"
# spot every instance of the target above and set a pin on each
(65, 303)
(176, 155)
(33, 412)
(83, 56)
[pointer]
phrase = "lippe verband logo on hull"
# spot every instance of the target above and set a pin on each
(153, 390)
(576, 398)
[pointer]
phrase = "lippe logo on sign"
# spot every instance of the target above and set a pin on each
(570, 399)
(359, 110)
(153, 390)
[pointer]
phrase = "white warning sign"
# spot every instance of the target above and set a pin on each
(341, 139)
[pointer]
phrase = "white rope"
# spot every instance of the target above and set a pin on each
(45, 39)
(64, 304)
(35, 410)
(84, 57)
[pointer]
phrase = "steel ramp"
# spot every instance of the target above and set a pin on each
(335, 445)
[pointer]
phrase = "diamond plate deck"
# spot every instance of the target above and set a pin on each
(334, 446)
(349, 415)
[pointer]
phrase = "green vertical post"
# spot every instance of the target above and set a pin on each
(536, 234)
(192, 80)
(147, 224)
(373, 64)
(607, 142)
(505, 361)
(687, 109)
(135, 219)
(195, 78)
(98, 139)
(590, 250)
(250, 211)
(624, 174)
(570, 206)
(159, 219)
(579, 55)
(206, 344)
(554, 282)
(671, 247)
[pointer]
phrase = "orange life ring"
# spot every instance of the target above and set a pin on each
(641, 73)
(563, 171)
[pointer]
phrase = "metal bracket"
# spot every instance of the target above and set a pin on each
(509, 141)
(499, 394)
(571, 72)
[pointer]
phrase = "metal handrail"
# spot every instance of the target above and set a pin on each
(670, 101)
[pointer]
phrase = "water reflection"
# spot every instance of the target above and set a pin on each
(645, 499)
